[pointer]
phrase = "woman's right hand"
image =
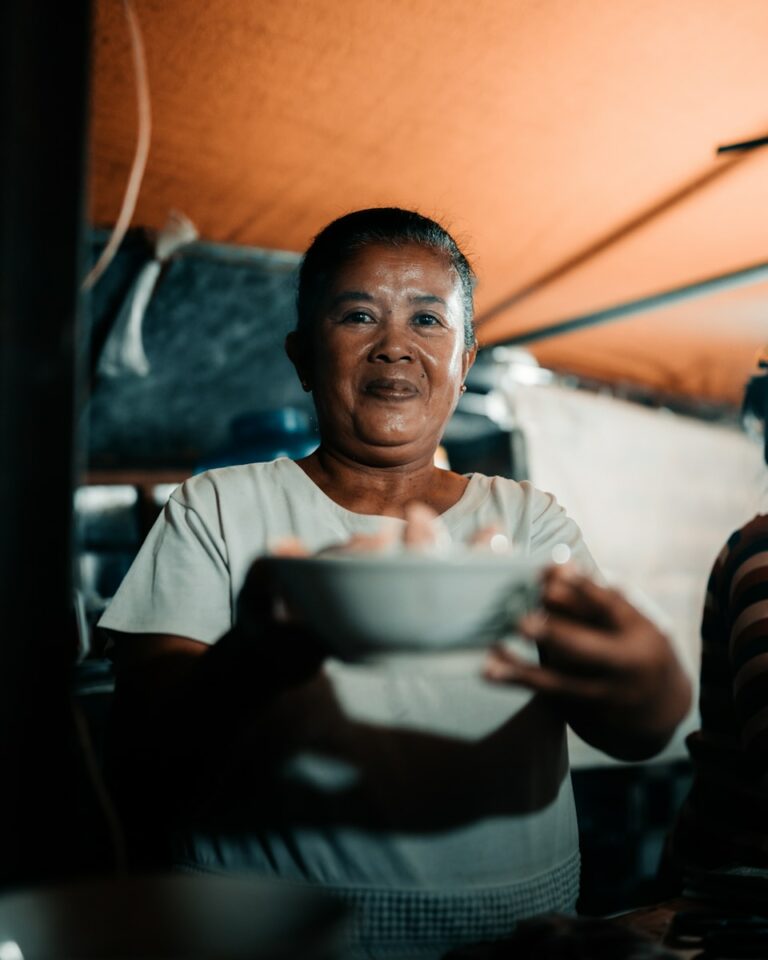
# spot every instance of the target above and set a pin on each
(287, 651)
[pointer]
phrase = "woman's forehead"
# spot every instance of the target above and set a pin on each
(397, 268)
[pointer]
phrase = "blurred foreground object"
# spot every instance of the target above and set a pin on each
(164, 916)
(556, 937)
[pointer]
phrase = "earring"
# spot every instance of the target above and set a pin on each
(463, 388)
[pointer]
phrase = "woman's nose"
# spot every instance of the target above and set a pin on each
(392, 346)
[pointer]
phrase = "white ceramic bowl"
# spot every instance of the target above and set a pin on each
(362, 605)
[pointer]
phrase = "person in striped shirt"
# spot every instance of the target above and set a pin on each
(724, 821)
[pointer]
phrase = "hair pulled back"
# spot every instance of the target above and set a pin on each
(385, 226)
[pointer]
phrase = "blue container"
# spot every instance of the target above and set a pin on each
(265, 435)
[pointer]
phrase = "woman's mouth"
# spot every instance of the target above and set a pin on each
(391, 388)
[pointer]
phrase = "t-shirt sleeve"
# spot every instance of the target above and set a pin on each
(179, 582)
(551, 527)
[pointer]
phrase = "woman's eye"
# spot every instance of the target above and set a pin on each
(426, 320)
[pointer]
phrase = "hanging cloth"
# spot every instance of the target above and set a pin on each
(123, 352)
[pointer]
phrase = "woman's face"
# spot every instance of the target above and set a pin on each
(388, 357)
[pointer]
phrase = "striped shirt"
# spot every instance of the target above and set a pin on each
(724, 821)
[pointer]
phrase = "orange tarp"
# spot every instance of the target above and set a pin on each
(536, 129)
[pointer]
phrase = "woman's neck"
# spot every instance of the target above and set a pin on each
(382, 490)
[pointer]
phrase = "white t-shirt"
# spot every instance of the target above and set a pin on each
(440, 804)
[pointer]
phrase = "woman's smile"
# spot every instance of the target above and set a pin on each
(395, 389)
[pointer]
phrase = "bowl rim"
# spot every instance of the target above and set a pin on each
(480, 560)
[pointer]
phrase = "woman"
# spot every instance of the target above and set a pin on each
(436, 803)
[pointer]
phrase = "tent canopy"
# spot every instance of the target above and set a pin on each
(570, 143)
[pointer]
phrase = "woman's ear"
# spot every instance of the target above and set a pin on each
(298, 355)
(467, 360)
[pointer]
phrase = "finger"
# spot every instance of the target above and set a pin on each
(500, 663)
(565, 590)
(573, 640)
(482, 537)
(287, 547)
(490, 538)
(420, 526)
(544, 680)
(377, 542)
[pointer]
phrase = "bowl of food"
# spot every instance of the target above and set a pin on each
(364, 605)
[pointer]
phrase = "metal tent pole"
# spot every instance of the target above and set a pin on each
(689, 291)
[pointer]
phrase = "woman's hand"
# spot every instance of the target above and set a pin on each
(285, 651)
(611, 670)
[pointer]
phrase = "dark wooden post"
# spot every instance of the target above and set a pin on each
(44, 59)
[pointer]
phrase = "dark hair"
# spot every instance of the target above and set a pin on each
(388, 226)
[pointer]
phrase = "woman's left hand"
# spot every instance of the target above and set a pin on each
(610, 669)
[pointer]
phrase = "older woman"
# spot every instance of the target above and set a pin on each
(437, 803)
